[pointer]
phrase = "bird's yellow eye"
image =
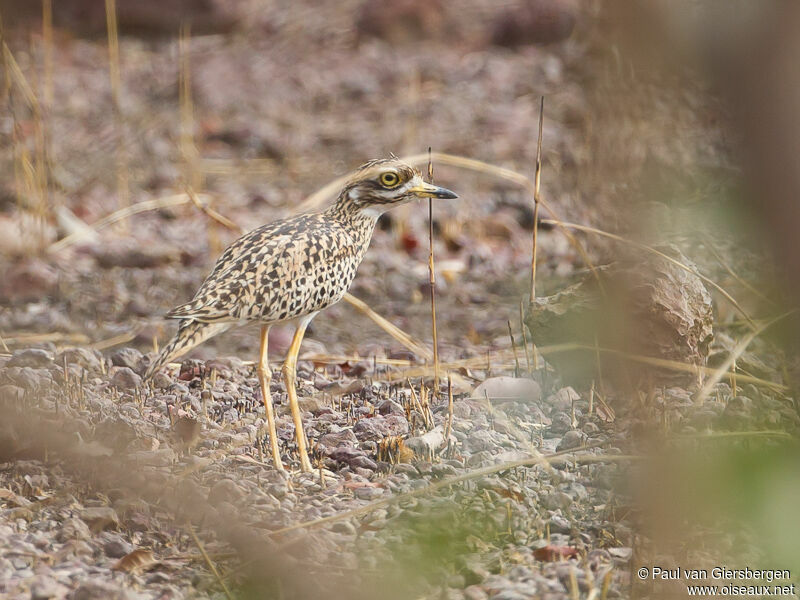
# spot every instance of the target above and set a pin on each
(389, 179)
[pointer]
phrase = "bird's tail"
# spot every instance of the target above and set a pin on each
(189, 335)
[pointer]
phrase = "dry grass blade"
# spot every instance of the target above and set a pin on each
(116, 340)
(505, 361)
(432, 283)
(121, 214)
(116, 102)
(25, 339)
(537, 182)
(725, 368)
(210, 563)
(394, 331)
(15, 74)
(212, 214)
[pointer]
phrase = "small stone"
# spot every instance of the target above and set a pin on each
(590, 428)
(83, 357)
(313, 405)
(563, 399)
(481, 440)
(332, 439)
(558, 524)
(572, 439)
(378, 427)
(100, 517)
(225, 490)
(622, 554)
(369, 493)
(116, 546)
(390, 407)
(44, 588)
(353, 457)
(561, 423)
(557, 500)
(441, 471)
(124, 378)
(475, 592)
(73, 529)
(31, 357)
(518, 389)
(127, 357)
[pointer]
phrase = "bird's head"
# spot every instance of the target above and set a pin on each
(382, 184)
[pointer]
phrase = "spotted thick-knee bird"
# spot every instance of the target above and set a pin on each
(290, 270)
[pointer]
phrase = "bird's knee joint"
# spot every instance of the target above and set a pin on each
(289, 372)
(264, 371)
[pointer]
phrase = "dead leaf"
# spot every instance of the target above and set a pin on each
(552, 553)
(133, 562)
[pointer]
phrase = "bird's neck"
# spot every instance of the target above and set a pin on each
(359, 220)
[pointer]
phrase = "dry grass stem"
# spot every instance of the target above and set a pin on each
(395, 332)
(210, 564)
(122, 214)
(212, 214)
(432, 282)
(536, 186)
(116, 102)
(525, 339)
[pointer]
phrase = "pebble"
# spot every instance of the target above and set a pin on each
(30, 357)
(127, 357)
(225, 490)
(561, 423)
(45, 588)
(100, 517)
(475, 592)
(369, 493)
(572, 439)
(556, 500)
(125, 378)
(379, 427)
(116, 547)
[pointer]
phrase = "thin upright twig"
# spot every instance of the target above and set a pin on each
(514, 349)
(536, 186)
(449, 428)
(116, 102)
(524, 338)
(432, 282)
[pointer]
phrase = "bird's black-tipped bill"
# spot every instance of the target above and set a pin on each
(426, 190)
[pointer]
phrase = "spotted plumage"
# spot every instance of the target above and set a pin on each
(294, 268)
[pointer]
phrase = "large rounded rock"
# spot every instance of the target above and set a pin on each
(640, 308)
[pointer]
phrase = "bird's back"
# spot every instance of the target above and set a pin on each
(280, 271)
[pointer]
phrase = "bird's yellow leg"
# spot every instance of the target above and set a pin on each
(265, 376)
(290, 376)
